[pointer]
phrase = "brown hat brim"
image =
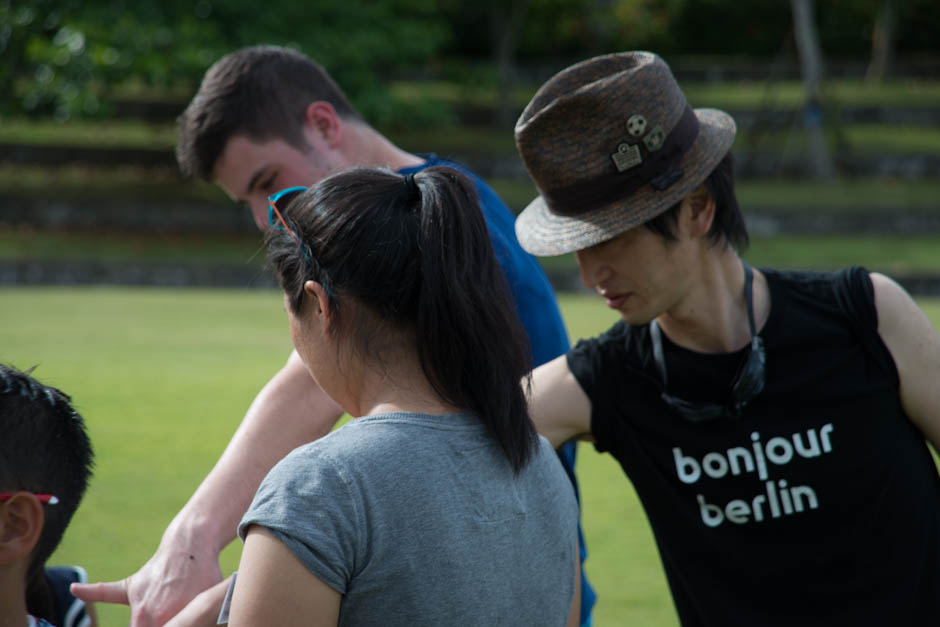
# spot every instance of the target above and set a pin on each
(543, 233)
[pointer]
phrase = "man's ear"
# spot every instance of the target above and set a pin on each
(698, 212)
(322, 118)
(21, 522)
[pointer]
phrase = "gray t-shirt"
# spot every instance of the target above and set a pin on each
(419, 520)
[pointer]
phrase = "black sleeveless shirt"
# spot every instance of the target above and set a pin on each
(819, 505)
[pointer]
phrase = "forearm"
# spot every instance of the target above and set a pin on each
(289, 411)
(204, 609)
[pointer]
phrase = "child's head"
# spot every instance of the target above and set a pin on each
(44, 450)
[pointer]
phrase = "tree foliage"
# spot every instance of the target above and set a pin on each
(71, 57)
(66, 58)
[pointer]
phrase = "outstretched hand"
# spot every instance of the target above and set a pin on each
(160, 589)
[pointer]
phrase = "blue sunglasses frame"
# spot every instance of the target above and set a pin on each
(275, 211)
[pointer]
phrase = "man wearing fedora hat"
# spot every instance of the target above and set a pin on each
(772, 422)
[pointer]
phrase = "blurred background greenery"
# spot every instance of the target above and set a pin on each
(81, 58)
(838, 162)
(838, 152)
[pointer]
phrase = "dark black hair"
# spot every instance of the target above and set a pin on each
(415, 251)
(259, 91)
(45, 449)
(727, 225)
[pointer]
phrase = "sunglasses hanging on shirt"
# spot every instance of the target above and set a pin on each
(747, 384)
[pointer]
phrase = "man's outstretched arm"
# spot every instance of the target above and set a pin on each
(289, 411)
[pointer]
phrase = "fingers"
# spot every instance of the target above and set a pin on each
(106, 592)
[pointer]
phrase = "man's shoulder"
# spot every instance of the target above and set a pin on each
(620, 336)
(623, 345)
(812, 280)
(826, 289)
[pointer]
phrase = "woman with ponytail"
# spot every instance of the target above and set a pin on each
(437, 504)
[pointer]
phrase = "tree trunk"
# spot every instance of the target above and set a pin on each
(882, 43)
(807, 42)
(505, 21)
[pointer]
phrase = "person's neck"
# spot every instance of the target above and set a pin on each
(398, 385)
(14, 618)
(12, 604)
(368, 147)
(712, 316)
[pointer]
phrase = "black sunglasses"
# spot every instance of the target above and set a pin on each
(747, 384)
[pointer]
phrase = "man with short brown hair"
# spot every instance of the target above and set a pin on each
(264, 119)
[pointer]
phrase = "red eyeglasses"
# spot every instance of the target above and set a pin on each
(51, 499)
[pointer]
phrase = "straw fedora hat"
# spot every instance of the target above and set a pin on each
(611, 143)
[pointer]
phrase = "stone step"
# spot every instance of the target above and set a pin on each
(190, 215)
(751, 163)
(886, 221)
(87, 273)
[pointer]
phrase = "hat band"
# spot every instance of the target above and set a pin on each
(658, 167)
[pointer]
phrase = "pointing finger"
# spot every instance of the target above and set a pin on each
(106, 592)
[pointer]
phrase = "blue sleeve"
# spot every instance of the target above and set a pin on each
(532, 293)
(531, 290)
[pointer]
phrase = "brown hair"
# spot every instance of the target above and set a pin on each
(261, 92)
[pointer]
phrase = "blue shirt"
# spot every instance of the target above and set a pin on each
(536, 307)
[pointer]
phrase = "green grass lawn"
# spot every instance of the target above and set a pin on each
(164, 376)
(434, 101)
(754, 195)
(746, 94)
(792, 93)
(451, 138)
(893, 255)
(888, 253)
(200, 247)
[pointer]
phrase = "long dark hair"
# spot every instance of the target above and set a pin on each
(416, 252)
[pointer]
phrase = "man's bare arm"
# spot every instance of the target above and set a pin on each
(289, 411)
(558, 406)
(915, 346)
